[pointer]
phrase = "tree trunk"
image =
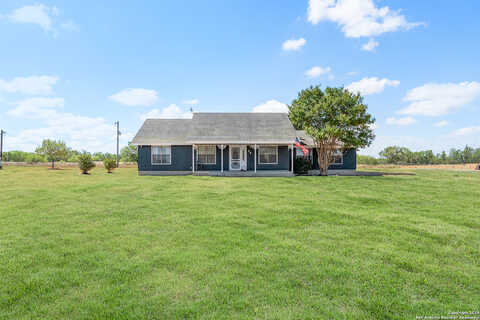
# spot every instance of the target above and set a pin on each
(323, 162)
(53, 164)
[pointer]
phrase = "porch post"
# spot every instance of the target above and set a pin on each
(221, 156)
(292, 157)
(193, 158)
(255, 157)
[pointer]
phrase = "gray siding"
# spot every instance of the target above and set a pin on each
(349, 161)
(181, 159)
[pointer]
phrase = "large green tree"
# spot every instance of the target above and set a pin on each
(53, 150)
(335, 118)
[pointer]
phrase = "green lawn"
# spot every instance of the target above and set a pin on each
(121, 246)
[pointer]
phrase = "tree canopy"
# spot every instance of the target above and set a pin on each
(404, 156)
(129, 153)
(53, 150)
(335, 118)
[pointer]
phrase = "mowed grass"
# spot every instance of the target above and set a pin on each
(121, 246)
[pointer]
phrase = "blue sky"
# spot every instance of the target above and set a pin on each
(70, 69)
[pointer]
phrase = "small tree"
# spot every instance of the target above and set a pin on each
(85, 163)
(109, 164)
(334, 118)
(53, 150)
(129, 153)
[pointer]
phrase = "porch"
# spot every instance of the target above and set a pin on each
(243, 159)
(258, 173)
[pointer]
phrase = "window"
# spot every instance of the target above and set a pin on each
(207, 155)
(268, 155)
(161, 155)
(338, 157)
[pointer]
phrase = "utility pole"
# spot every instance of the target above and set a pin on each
(118, 141)
(1, 147)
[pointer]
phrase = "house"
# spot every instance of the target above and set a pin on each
(251, 144)
(342, 160)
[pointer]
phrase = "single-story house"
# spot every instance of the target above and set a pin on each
(252, 144)
(342, 160)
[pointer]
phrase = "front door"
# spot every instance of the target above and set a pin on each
(238, 157)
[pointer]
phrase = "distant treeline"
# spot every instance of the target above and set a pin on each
(402, 155)
(127, 154)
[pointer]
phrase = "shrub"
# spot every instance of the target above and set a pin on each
(34, 158)
(302, 165)
(85, 163)
(73, 158)
(367, 160)
(109, 164)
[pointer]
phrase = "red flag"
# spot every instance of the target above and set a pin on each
(301, 146)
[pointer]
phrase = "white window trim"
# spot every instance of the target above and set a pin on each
(160, 164)
(260, 162)
(210, 163)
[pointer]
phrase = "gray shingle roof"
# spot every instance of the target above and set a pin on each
(308, 140)
(218, 128)
(242, 128)
(163, 131)
(305, 138)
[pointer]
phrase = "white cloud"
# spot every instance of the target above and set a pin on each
(37, 107)
(317, 72)
(170, 112)
(368, 86)
(41, 15)
(192, 102)
(401, 121)
(358, 18)
(475, 130)
(135, 97)
(79, 132)
(271, 106)
(434, 99)
(29, 85)
(370, 45)
(441, 123)
(38, 14)
(293, 44)
(352, 73)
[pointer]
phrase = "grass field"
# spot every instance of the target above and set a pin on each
(121, 246)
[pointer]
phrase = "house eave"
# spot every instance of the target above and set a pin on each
(170, 143)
